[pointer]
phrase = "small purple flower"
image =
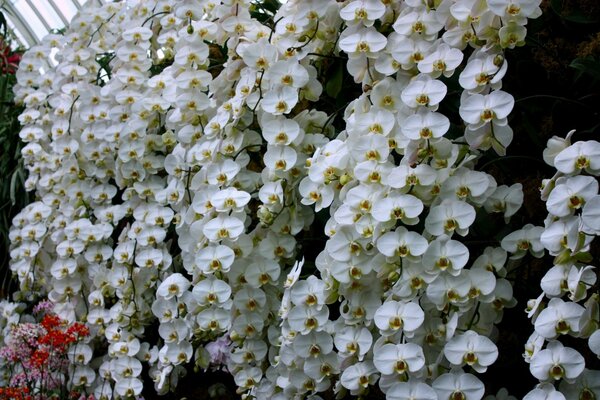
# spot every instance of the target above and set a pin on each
(219, 350)
(43, 306)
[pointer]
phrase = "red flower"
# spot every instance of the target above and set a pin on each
(79, 330)
(51, 321)
(9, 60)
(39, 358)
(14, 393)
(41, 351)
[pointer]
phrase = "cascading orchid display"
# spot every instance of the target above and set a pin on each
(180, 151)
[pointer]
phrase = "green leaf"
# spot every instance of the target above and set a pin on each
(202, 358)
(334, 84)
(584, 257)
(271, 5)
(587, 65)
(260, 16)
(3, 24)
(3, 87)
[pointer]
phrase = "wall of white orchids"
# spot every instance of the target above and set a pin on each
(179, 153)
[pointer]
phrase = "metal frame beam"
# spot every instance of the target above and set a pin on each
(20, 23)
(62, 17)
(39, 15)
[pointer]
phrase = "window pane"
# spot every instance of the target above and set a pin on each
(21, 40)
(48, 13)
(66, 7)
(31, 19)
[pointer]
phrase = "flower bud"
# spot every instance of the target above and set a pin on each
(563, 257)
(344, 179)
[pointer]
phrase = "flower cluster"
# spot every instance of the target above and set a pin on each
(567, 306)
(37, 355)
(410, 302)
(180, 150)
(9, 59)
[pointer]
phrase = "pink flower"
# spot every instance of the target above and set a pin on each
(43, 306)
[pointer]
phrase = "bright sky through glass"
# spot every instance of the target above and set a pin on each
(31, 20)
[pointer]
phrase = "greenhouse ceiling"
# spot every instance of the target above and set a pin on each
(31, 20)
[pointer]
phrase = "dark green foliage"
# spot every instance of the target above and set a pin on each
(555, 80)
(13, 196)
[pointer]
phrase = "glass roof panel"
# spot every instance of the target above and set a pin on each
(21, 40)
(48, 13)
(31, 20)
(67, 8)
(36, 25)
